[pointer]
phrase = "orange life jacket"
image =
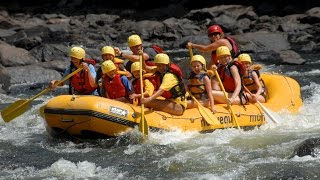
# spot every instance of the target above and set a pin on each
(196, 84)
(114, 87)
(249, 83)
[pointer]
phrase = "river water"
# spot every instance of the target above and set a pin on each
(28, 152)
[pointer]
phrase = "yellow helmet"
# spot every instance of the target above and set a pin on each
(200, 59)
(77, 52)
(108, 50)
(161, 58)
(107, 66)
(222, 51)
(135, 66)
(134, 40)
(244, 58)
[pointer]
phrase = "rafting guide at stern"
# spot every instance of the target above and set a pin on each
(217, 38)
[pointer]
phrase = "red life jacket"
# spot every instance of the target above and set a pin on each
(136, 82)
(234, 52)
(90, 61)
(136, 85)
(226, 76)
(114, 87)
(173, 92)
(80, 83)
(157, 48)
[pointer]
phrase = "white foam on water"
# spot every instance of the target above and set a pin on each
(65, 169)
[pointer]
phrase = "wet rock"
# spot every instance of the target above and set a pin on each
(13, 56)
(4, 78)
(31, 74)
(309, 147)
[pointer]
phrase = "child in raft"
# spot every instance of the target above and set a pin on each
(148, 87)
(200, 84)
(251, 80)
(116, 86)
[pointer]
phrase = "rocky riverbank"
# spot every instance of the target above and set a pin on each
(34, 44)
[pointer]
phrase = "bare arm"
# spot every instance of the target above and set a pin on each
(154, 96)
(207, 84)
(257, 82)
(210, 47)
(237, 81)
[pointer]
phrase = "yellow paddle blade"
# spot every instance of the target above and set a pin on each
(206, 113)
(143, 126)
(14, 110)
(41, 111)
(208, 116)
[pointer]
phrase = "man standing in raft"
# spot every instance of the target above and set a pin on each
(82, 83)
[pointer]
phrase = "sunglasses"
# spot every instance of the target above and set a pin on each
(213, 34)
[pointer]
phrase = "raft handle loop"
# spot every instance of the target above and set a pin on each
(292, 92)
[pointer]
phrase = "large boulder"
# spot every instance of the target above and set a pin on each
(13, 56)
(309, 147)
(31, 74)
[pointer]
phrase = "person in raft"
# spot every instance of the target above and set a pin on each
(116, 86)
(255, 88)
(200, 84)
(148, 87)
(135, 44)
(228, 71)
(217, 38)
(82, 83)
(170, 86)
(108, 53)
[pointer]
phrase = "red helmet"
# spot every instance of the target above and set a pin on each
(214, 29)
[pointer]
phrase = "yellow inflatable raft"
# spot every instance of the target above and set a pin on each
(93, 116)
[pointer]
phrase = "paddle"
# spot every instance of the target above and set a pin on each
(265, 109)
(143, 125)
(226, 96)
(205, 112)
(19, 107)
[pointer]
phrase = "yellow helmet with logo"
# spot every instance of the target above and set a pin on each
(77, 52)
(107, 66)
(161, 58)
(200, 59)
(135, 66)
(108, 50)
(134, 40)
(244, 58)
(223, 51)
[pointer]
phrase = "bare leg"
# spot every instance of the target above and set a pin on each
(166, 106)
(220, 99)
(215, 84)
(191, 104)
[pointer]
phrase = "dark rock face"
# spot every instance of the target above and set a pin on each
(39, 34)
(309, 147)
